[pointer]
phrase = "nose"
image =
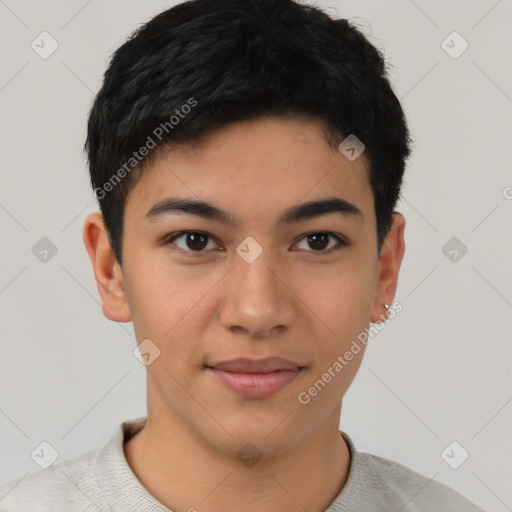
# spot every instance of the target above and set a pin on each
(257, 299)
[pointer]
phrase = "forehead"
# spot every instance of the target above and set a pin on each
(255, 168)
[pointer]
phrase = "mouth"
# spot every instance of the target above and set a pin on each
(256, 379)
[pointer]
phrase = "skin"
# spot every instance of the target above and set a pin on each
(213, 306)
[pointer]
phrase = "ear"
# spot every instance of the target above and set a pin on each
(108, 273)
(390, 259)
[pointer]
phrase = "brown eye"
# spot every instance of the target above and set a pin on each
(319, 241)
(193, 241)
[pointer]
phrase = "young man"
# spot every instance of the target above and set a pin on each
(247, 156)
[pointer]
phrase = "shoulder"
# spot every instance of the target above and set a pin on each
(376, 483)
(70, 485)
(423, 493)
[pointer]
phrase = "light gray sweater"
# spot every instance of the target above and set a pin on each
(101, 480)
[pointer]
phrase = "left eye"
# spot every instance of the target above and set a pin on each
(319, 240)
(196, 241)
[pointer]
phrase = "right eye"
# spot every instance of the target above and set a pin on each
(193, 241)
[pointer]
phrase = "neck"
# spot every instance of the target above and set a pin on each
(183, 472)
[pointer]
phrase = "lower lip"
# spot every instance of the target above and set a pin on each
(256, 385)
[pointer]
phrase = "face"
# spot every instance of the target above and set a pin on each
(253, 282)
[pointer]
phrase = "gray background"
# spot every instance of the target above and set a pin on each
(438, 372)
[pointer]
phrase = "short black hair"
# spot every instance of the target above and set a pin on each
(204, 64)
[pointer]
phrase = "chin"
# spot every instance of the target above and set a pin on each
(266, 435)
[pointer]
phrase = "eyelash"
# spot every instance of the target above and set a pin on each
(342, 243)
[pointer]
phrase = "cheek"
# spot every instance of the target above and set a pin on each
(339, 295)
(342, 303)
(156, 293)
(171, 308)
(327, 384)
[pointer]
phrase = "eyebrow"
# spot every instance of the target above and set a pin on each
(209, 211)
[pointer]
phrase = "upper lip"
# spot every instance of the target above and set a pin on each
(244, 365)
